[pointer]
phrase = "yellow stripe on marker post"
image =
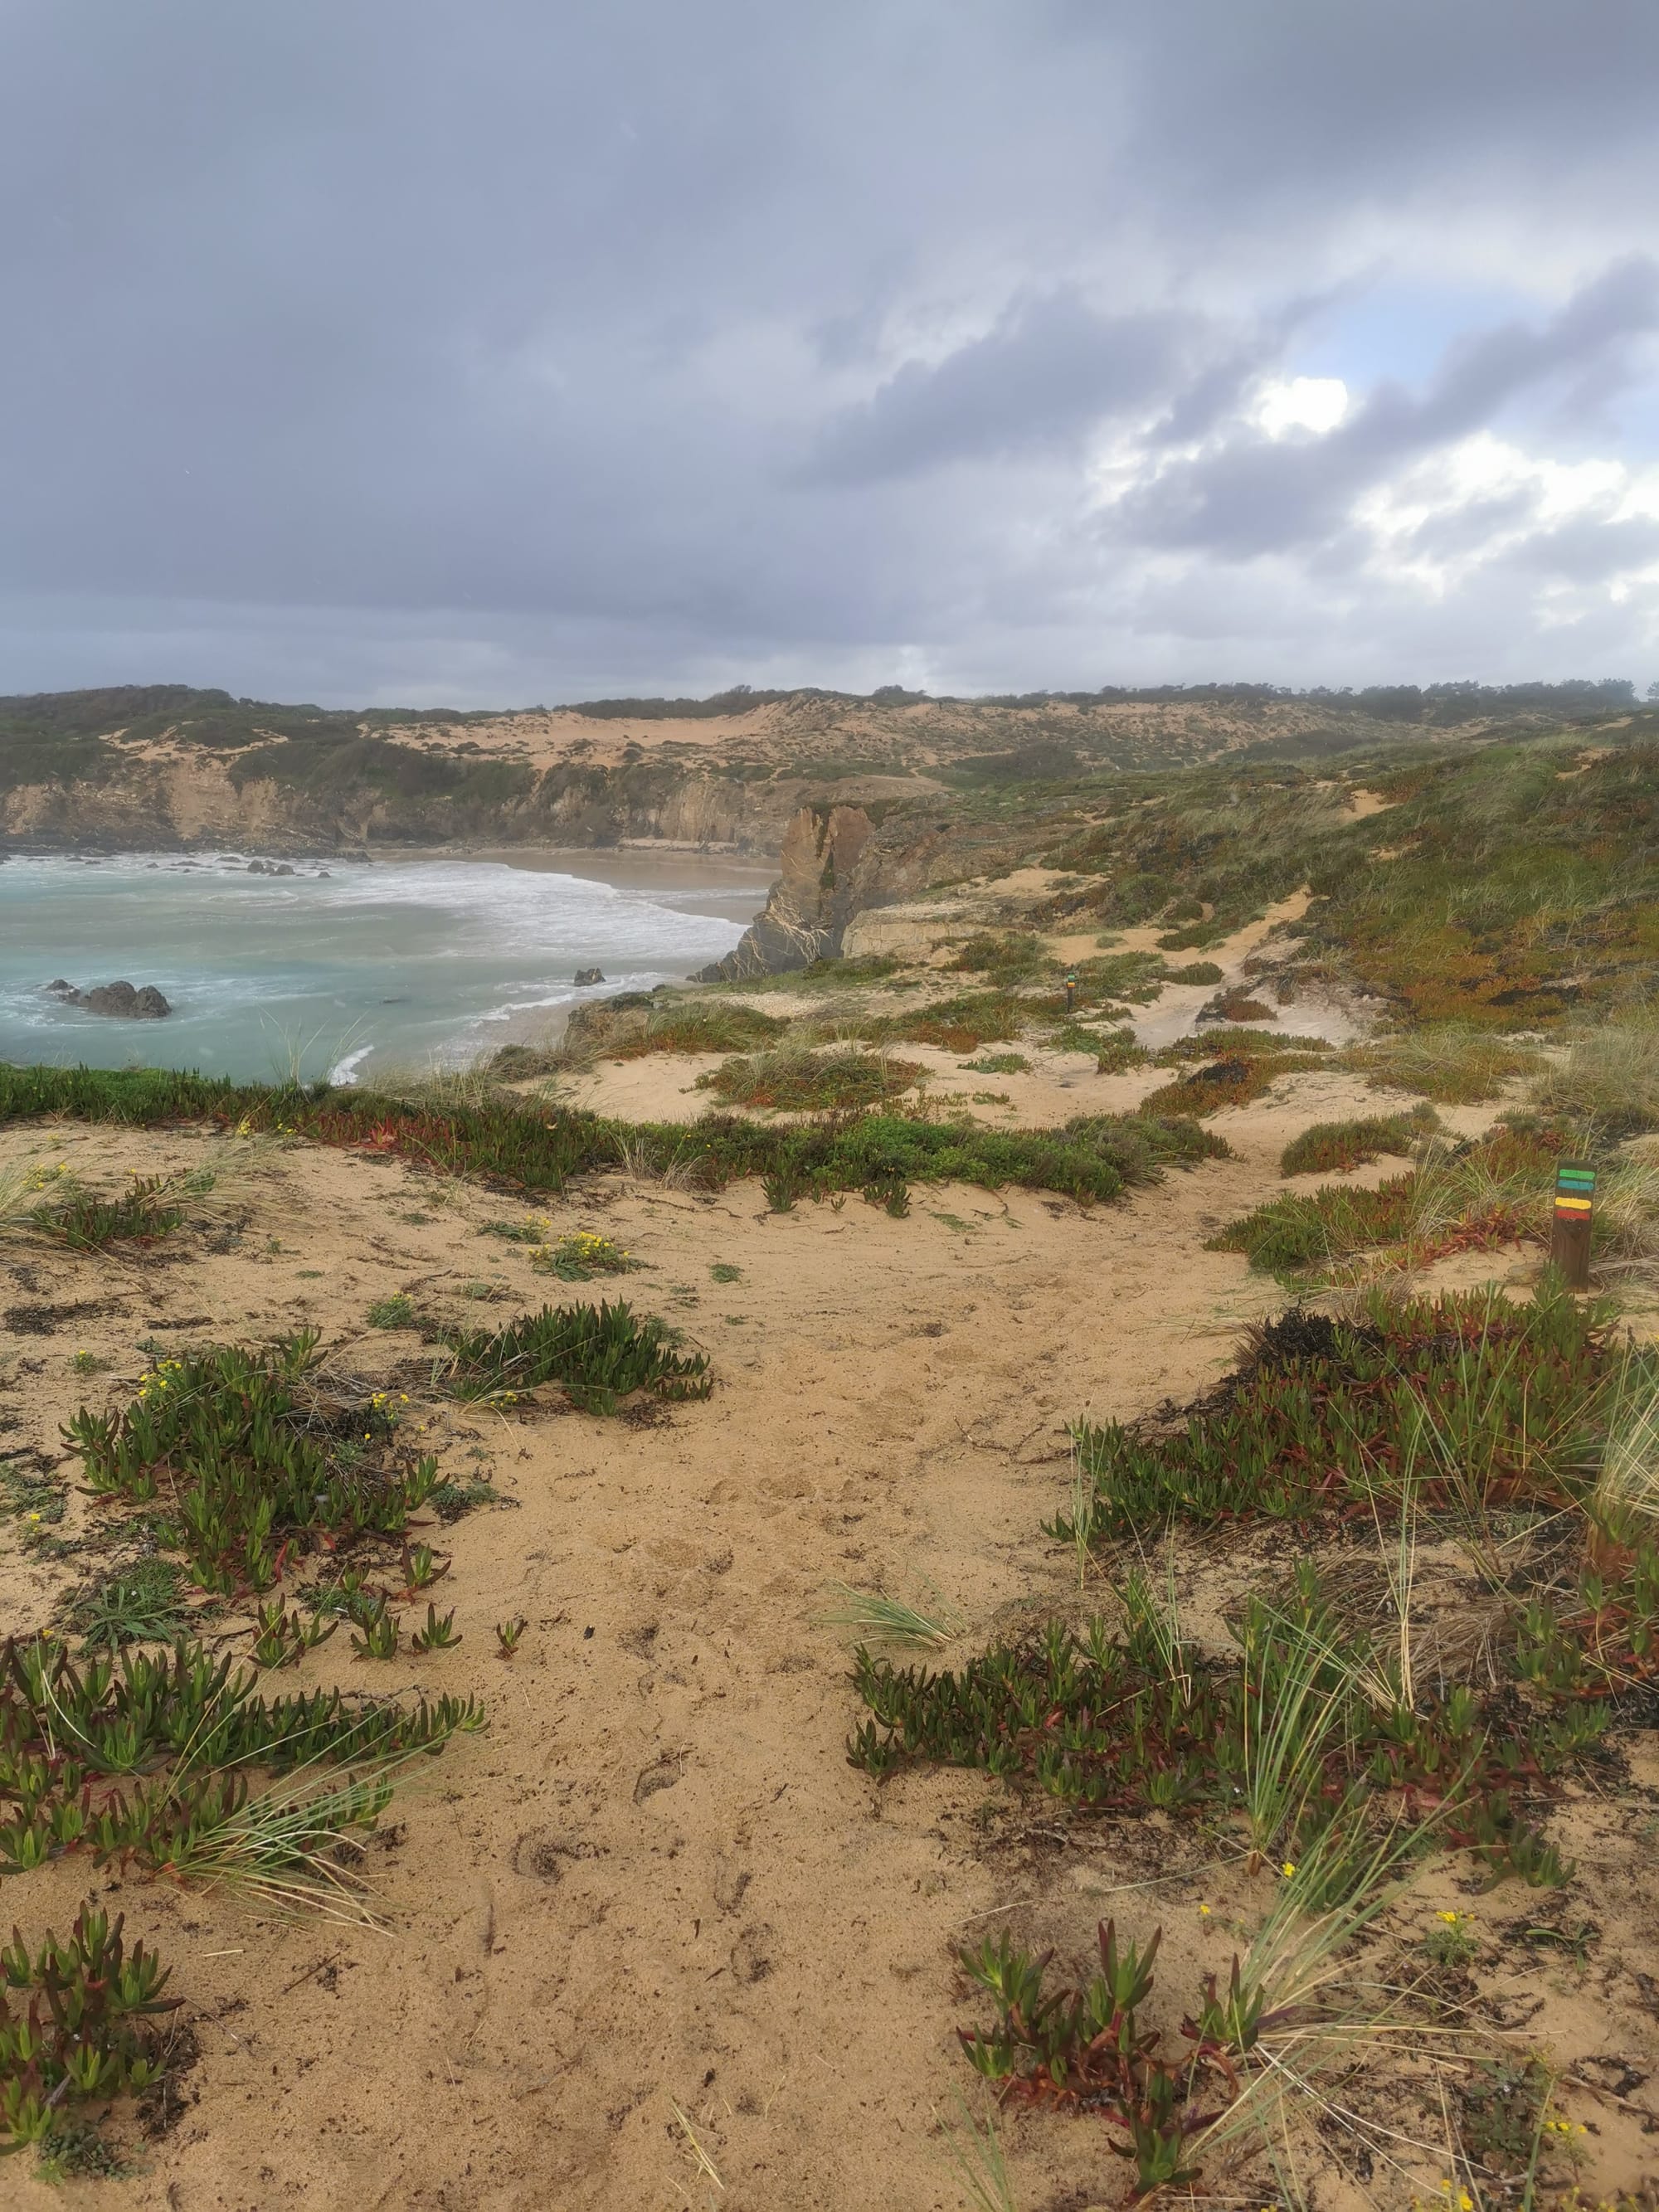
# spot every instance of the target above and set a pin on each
(1575, 1206)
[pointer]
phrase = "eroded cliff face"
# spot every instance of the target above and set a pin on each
(169, 805)
(837, 864)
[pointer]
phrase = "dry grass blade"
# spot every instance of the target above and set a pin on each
(24, 1186)
(879, 1620)
(1629, 1479)
(1608, 1078)
(706, 2165)
(972, 2150)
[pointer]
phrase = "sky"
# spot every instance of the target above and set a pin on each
(409, 352)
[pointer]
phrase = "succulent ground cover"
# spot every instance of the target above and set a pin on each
(1327, 1744)
(1476, 1195)
(537, 1150)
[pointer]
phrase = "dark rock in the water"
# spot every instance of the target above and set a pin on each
(279, 868)
(119, 999)
(62, 986)
(590, 975)
(256, 867)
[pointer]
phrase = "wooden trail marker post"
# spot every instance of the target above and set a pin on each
(1570, 1241)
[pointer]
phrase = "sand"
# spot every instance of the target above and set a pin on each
(654, 1882)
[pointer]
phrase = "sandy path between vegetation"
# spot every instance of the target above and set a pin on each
(655, 1878)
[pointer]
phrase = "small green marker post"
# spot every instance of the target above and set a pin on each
(1569, 1240)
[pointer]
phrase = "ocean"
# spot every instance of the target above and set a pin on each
(411, 962)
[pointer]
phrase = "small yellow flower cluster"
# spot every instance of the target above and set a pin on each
(1563, 2128)
(1458, 1920)
(588, 1244)
(160, 1380)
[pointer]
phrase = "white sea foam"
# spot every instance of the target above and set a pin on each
(423, 961)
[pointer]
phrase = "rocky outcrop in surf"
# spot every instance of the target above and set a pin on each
(126, 1001)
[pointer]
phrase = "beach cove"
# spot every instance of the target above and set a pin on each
(430, 958)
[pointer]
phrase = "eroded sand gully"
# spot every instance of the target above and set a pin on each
(654, 1877)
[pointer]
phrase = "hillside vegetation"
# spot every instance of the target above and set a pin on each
(1096, 1560)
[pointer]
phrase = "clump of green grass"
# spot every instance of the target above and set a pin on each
(1512, 1390)
(1335, 1147)
(86, 1223)
(1474, 1196)
(1608, 1083)
(1012, 957)
(1279, 1743)
(723, 1270)
(1454, 1065)
(961, 1024)
(796, 1081)
(858, 968)
(877, 1618)
(396, 1311)
(1195, 971)
(1137, 976)
(720, 1026)
(142, 1603)
(248, 1456)
(176, 1747)
(598, 1355)
(1234, 1077)
(997, 1063)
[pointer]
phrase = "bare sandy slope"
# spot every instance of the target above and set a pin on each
(655, 1881)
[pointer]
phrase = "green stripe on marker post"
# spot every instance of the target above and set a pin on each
(1570, 1241)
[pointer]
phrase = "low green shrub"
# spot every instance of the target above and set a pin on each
(1473, 1196)
(540, 1149)
(961, 1024)
(150, 1757)
(88, 2029)
(1453, 1064)
(582, 1255)
(1195, 971)
(1461, 1394)
(1234, 1077)
(722, 1026)
(1337, 1147)
(596, 1354)
(1009, 958)
(799, 1082)
(248, 1459)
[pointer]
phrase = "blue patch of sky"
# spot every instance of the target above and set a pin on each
(1402, 330)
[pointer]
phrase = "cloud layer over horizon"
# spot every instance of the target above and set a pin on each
(406, 353)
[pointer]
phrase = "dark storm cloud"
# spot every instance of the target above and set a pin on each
(515, 351)
(1050, 369)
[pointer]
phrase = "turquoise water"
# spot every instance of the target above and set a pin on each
(412, 963)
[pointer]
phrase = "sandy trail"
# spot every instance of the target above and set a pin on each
(654, 1880)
